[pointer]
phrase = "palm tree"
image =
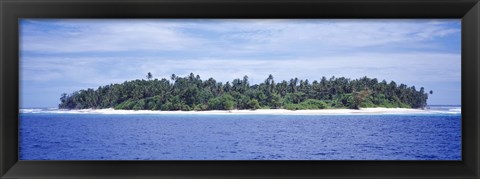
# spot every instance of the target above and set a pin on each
(149, 76)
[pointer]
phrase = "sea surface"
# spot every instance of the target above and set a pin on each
(49, 134)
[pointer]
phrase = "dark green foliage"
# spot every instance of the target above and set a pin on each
(307, 104)
(224, 102)
(191, 93)
(253, 104)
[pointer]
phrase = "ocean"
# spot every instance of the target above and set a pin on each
(50, 134)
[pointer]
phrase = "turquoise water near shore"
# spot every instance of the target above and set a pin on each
(57, 136)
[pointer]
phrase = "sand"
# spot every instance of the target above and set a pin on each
(258, 111)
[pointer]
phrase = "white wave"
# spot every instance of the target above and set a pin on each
(363, 111)
(445, 111)
(31, 110)
(455, 109)
(42, 110)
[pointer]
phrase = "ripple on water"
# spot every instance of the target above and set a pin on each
(262, 137)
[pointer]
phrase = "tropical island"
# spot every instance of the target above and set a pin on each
(191, 93)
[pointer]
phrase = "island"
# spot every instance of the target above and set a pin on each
(191, 93)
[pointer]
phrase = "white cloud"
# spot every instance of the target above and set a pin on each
(98, 36)
(403, 68)
(335, 34)
(224, 36)
(69, 54)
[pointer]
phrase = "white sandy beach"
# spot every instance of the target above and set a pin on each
(259, 111)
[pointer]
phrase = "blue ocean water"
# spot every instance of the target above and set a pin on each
(58, 136)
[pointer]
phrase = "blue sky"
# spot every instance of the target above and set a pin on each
(59, 55)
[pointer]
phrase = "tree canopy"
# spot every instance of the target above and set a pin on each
(193, 93)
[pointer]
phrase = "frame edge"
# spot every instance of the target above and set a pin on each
(470, 51)
(473, 15)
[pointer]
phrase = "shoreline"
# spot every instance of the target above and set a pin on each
(362, 111)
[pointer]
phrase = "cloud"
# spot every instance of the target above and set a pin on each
(224, 36)
(303, 35)
(65, 55)
(411, 68)
(98, 36)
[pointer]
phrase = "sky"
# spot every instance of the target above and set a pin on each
(66, 55)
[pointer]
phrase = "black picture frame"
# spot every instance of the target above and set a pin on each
(12, 10)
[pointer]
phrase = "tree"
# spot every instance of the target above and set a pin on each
(359, 98)
(276, 101)
(224, 102)
(245, 81)
(191, 93)
(253, 104)
(63, 97)
(149, 76)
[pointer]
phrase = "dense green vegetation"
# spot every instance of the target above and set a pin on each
(192, 93)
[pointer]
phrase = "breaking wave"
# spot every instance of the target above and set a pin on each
(369, 111)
